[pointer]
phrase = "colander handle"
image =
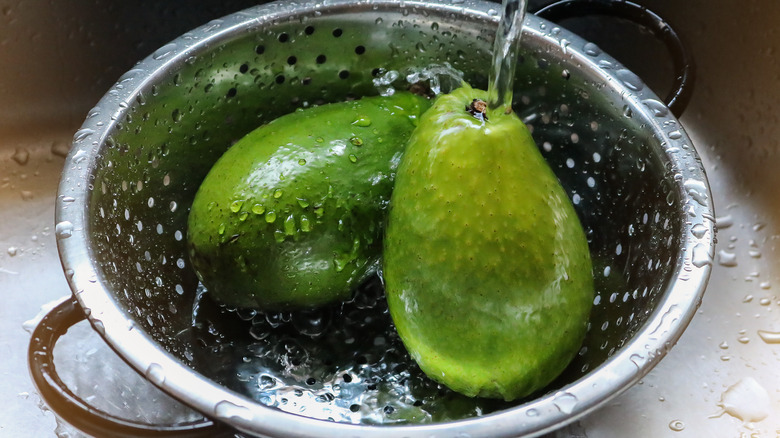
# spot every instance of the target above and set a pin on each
(74, 410)
(682, 88)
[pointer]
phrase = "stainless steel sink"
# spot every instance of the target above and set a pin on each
(58, 58)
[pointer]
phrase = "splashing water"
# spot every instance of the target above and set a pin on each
(505, 52)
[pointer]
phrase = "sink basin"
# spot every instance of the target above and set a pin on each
(719, 380)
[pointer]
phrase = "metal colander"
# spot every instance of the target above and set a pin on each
(627, 164)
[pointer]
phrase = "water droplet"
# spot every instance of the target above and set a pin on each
(21, 156)
(278, 193)
(60, 149)
(675, 135)
(305, 224)
(270, 217)
(676, 425)
(701, 256)
(362, 122)
(82, 134)
(698, 231)
(164, 51)
(258, 209)
(80, 156)
(353, 158)
(631, 81)
(746, 400)
(236, 205)
(697, 190)
(591, 49)
(63, 230)
(532, 412)
(155, 374)
(227, 410)
(769, 337)
(289, 225)
(565, 402)
(728, 259)
(658, 108)
(357, 141)
(724, 222)
(221, 229)
(301, 161)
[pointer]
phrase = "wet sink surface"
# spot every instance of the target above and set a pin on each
(732, 119)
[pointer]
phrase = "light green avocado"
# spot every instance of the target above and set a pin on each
(486, 266)
(293, 214)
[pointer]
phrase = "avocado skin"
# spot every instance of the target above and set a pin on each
(293, 214)
(487, 270)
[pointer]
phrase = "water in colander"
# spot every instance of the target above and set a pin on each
(342, 362)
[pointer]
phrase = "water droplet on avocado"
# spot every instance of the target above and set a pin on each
(303, 203)
(319, 139)
(258, 209)
(357, 141)
(289, 225)
(242, 217)
(362, 122)
(353, 158)
(340, 262)
(270, 217)
(319, 211)
(221, 229)
(235, 206)
(278, 193)
(305, 224)
(301, 161)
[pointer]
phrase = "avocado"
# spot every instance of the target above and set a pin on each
(487, 270)
(292, 215)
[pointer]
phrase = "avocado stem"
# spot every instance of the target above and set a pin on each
(478, 109)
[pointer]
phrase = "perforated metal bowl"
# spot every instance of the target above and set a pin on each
(629, 167)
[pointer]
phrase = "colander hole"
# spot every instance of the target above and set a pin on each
(337, 32)
(283, 37)
(311, 381)
(343, 74)
(354, 408)
(231, 92)
(306, 80)
(244, 68)
(321, 59)
(360, 50)
(347, 378)
(376, 72)
(309, 30)
(292, 60)
(260, 49)
(280, 79)
(389, 410)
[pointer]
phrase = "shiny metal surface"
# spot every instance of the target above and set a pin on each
(144, 148)
(739, 148)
